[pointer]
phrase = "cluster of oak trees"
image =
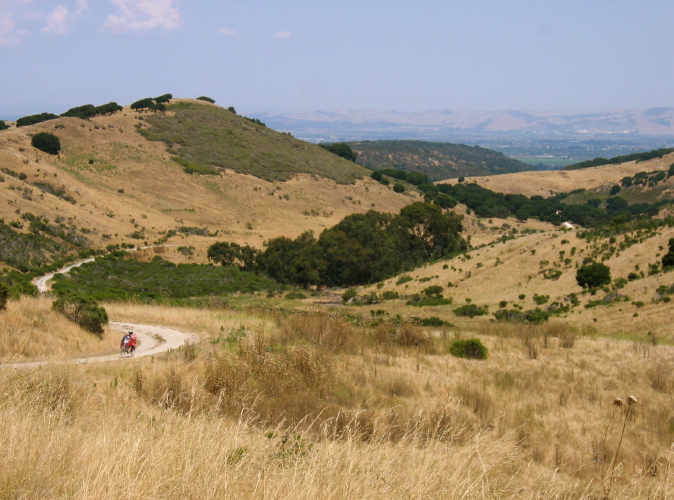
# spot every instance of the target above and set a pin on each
(362, 248)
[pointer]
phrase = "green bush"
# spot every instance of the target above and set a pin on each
(432, 321)
(593, 275)
(49, 143)
(207, 99)
(4, 296)
(84, 312)
(3, 125)
(404, 279)
(348, 295)
(470, 310)
(398, 188)
(471, 348)
(390, 295)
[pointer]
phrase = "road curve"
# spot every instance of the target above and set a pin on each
(152, 339)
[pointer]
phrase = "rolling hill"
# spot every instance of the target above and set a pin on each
(110, 185)
(437, 160)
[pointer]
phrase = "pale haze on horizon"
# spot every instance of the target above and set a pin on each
(265, 56)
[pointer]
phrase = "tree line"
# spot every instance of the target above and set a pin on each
(362, 248)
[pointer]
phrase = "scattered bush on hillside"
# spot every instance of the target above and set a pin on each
(514, 316)
(83, 311)
(593, 275)
(341, 149)
(470, 310)
(431, 321)
(49, 143)
(3, 125)
(398, 188)
(668, 258)
(33, 119)
(207, 99)
(470, 348)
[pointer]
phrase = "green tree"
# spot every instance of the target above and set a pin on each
(668, 258)
(49, 143)
(163, 99)
(232, 254)
(377, 175)
(3, 125)
(341, 149)
(146, 103)
(615, 189)
(84, 312)
(593, 275)
(207, 99)
(398, 188)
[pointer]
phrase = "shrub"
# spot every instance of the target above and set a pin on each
(3, 125)
(49, 143)
(390, 295)
(471, 348)
(404, 279)
(84, 312)
(432, 290)
(470, 310)
(593, 275)
(348, 295)
(4, 296)
(398, 188)
(207, 99)
(432, 321)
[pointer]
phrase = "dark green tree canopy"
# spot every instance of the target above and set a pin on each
(362, 248)
(593, 275)
(163, 99)
(3, 125)
(49, 143)
(33, 119)
(668, 259)
(146, 103)
(207, 99)
(341, 149)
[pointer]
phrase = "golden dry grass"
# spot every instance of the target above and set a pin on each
(535, 420)
(545, 183)
(31, 330)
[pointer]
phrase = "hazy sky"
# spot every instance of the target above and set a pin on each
(301, 55)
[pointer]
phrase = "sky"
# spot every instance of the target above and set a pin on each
(283, 56)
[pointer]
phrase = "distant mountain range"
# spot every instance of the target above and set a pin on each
(455, 124)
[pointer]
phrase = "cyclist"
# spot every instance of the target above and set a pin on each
(132, 342)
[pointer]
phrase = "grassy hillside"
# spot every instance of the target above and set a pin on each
(111, 186)
(209, 136)
(550, 182)
(437, 160)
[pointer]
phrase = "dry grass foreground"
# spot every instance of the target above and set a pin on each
(278, 405)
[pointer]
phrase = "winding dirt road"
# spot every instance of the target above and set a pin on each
(153, 339)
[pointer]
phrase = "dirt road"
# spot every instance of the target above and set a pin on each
(152, 339)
